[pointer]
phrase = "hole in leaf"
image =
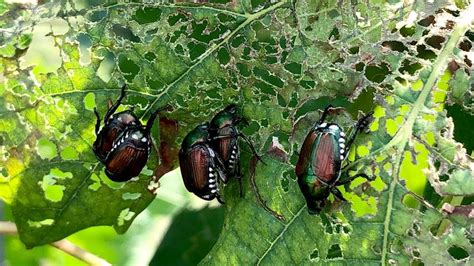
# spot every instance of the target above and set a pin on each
(307, 84)
(460, 119)
(435, 41)
(346, 229)
(395, 46)
(173, 19)
(470, 34)
(150, 56)
(354, 50)
(128, 68)
(294, 68)
(444, 178)
(334, 34)
(377, 73)
(237, 41)
(4, 172)
(405, 32)
(124, 33)
(467, 61)
(147, 15)
(224, 18)
(465, 45)
(414, 231)
(360, 66)
(338, 229)
(285, 183)
(293, 100)
(290, 174)
(281, 101)
(425, 53)
(334, 252)
(97, 15)
(243, 69)
(458, 252)
(223, 56)
(455, 13)
(314, 256)
(327, 224)
(401, 80)
(449, 25)
(430, 195)
(430, 20)
(410, 68)
(416, 262)
(257, 4)
(415, 252)
(196, 49)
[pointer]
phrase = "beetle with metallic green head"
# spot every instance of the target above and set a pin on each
(224, 140)
(319, 167)
(201, 168)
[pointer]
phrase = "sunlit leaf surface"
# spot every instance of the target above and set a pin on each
(280, 62)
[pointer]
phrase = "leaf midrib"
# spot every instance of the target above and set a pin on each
(214, 47)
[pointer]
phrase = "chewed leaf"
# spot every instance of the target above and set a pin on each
(280, 62)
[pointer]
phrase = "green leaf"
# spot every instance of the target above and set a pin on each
(281, 62)
(187, 245)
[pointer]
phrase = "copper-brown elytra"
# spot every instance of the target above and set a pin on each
(319, 167)
(123, 144)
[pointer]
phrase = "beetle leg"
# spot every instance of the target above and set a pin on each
(114, 107)
(337, 194)
(242, 120)
(370, 178)
(153, 116)
(220, 165)
(361, 124)
(252, 147)
(97, 123)
(348, 179)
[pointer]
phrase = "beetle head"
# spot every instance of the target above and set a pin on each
(198, 135)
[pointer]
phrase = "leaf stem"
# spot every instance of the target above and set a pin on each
(9, 228)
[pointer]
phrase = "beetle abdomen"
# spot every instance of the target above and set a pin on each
(126, 162)
(195, 166)
(223, 146)
(326, 157)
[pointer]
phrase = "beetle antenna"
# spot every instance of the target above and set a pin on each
(114, 107)
(252, 147)
(361, 124)
(153, 116)
(97, 124)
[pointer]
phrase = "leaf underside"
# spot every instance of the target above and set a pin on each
(280, 62)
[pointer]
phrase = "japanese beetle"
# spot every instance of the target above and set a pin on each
(319, 167)
(114, 125)
(123, 144)
(201, 168)
(224, 140)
